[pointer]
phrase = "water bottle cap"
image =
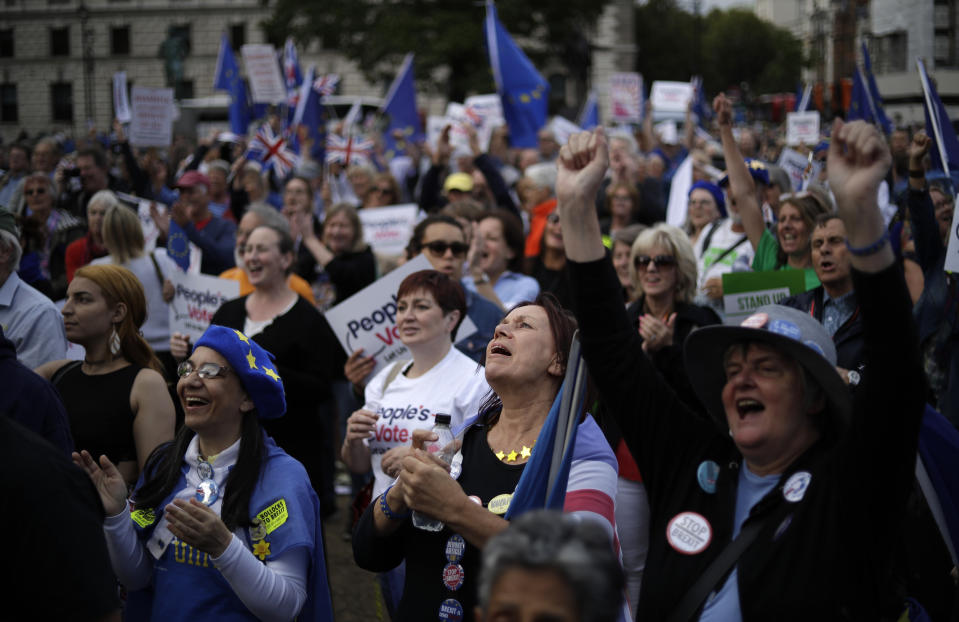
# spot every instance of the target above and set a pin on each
(443, 419)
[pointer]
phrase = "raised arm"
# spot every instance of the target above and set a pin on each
(741, 184)
(580, 169)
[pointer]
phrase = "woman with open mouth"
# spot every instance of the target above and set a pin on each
(224, 524)
(525, 365)
(751, 509)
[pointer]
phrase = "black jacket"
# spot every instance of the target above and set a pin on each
(849, 337)
(827, 556)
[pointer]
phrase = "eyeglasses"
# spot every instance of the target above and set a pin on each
(206, 371)
(383, 190)
(942, 203)
(553, 218)
(34, 191)
(661, 261)
(439, 248)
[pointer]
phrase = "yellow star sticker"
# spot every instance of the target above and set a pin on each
(500, 455)
(251, 360)
(272, 374)
(241, 336)
(526, 452)
(512, 456)
(261, 549)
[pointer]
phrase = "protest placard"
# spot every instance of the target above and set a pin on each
(678, 203)
(387, 229)
(121, 103)
(795, 165)
(802, 128)
(367, 319)
(152, 122)
(744, 292)
(263, 71)
(460, 119)
(196, 299)
(670, 96)
(625, 97)
(489, 109)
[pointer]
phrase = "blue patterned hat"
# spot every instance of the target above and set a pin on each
(756, 168)
(252, 364)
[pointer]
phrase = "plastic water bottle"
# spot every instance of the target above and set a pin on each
(442, 448)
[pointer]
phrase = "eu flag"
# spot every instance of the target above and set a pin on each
(400, 105)
(523, 91)
(858, 102)
(589, 118)
(227, 78)
(945, 147)
(309, 114)
(178, 245)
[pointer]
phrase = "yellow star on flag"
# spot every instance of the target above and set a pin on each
(241, 336)
(272, 374)
(261, 549)
(251, 360)
(524, 98)
(500, 455)
(512, 456)
(527, 451)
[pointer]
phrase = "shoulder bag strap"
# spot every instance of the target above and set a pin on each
(728, 250)
(709, 580)
(60, 373)
(156, 267)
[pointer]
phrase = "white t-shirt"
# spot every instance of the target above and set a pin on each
(722, 238)
(156, 328)
(455, 386)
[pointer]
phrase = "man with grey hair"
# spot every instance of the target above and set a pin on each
(537, 196)
(28, 317)
(550, 566)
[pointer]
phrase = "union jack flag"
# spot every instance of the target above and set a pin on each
(349, 150)
(326, 84)
(273, 151)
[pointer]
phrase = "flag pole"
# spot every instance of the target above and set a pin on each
(933, 119)
(573, 387)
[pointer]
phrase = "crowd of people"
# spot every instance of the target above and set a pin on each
(726, 471)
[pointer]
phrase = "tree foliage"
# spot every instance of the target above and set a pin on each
(445, 35)
(725, 47)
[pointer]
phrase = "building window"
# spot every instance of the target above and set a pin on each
(8, 103)
(120, 41)
(891, 53)
(60, 41)
(237, 36)
(61, 101)
(6, 43)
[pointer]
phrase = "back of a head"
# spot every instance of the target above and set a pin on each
(122, 233)
(579, 551)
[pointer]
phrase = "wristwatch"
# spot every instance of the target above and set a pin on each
(482, 280)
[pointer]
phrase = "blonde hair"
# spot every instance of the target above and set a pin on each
(675, 241)
(120, 285)
(122, 234)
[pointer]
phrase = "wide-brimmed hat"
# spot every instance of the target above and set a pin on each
(798, 335)
(252, 364)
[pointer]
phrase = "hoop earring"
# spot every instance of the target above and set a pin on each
(114, 343)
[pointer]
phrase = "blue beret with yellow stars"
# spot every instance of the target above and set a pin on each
(253, 365)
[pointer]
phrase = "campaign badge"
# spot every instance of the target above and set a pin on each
(451, 610)
(455, 548)
(689, 533)
(257, 530)
(453, 576)
(796, 486)
(785, 328)
(204, 470)
(706, 475)
(207, 492)
(500, 503)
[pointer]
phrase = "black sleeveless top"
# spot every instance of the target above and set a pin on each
(99, 410)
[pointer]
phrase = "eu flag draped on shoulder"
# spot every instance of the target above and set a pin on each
(227, 78)
(523, 91)
(400, 106)
(944, 150)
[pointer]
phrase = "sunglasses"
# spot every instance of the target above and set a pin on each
(662, 261)
(439, 248)
(383, 190)
(206, 371)
(34, 191)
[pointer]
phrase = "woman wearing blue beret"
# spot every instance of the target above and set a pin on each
(223, 524)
